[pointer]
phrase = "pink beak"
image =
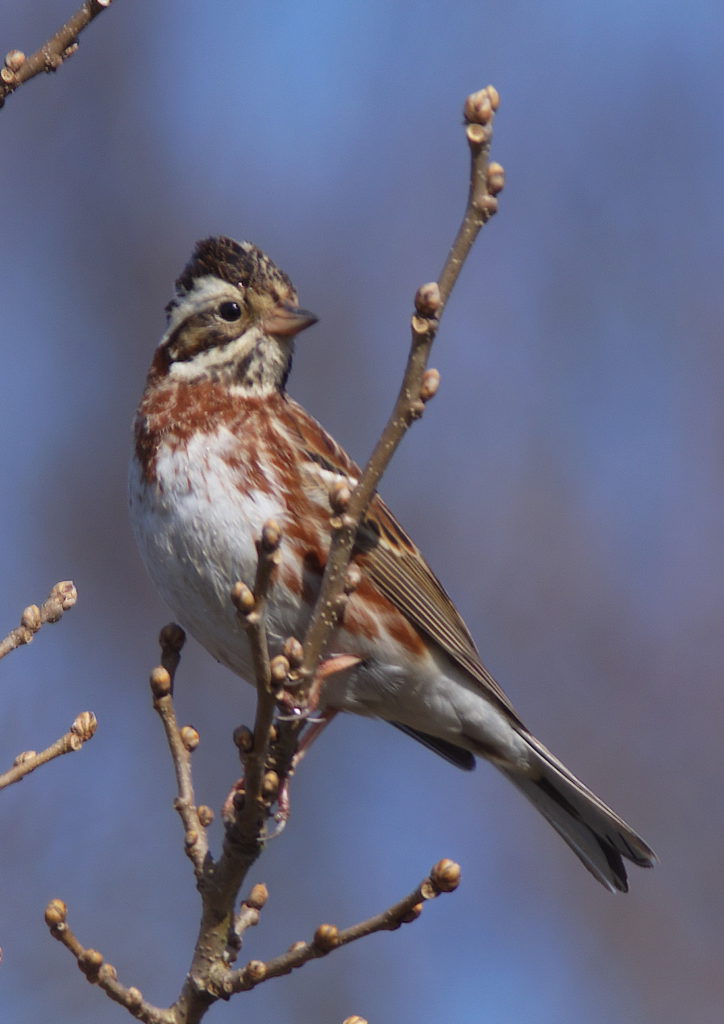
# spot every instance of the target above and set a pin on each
(285, 320)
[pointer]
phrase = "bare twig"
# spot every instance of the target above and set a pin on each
(100, 973)
(219, 881)
(444, 877)
(82, 729)
(418, 385)
(62, 597)
(269, 676)
(181, 742)
(19, 68)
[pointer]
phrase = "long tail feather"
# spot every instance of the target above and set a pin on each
(593, 831)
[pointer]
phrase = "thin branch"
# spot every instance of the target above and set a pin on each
(19, 68)
(418, 384)
(444, 877)
(181, 743)
(62, 597)
(100, 973)
(269, 675)
(82, 729)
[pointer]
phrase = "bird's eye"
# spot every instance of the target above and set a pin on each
(230, 311)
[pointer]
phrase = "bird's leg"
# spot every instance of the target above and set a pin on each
(284, 806)
(329, 667)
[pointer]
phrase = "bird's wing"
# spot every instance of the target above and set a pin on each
(400, 572)
(393, 563)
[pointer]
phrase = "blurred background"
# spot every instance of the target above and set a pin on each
(566, 484)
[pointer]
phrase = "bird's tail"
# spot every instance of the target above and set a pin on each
(595, 834)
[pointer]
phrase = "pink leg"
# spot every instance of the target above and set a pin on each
(329, 667)
(283, 800)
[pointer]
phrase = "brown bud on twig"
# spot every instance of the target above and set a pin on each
(487, 205)
(427, 300)
(254, 972)
(340, 496)
(243, 598)
(257, 897)
(445, 876)
(189, 737)
(270, 785)
(243, 738)
(430, 384)
(66, 594)
(61, 597)
(30, 618)
(326, 937)
(84, 726)
(134, 998)
(160, 682)
(90, 962)
(206, 815)
(172, 637)
(24, 756)
(14, 59)
(495, 178)
(271, 535)
(481, 105)
(279, 669)
(56, 913)
(293, 652)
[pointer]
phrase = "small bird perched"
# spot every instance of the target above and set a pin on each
(220, 448)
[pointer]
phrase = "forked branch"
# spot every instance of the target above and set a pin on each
(221, 982)
(267, 751)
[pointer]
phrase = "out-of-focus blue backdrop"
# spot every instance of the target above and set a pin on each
(566, 484)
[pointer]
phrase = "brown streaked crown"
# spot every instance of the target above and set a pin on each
(238, 263)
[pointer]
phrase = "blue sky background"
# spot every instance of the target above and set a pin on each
(566, 484)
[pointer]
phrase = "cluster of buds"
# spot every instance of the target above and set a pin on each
(14, 60)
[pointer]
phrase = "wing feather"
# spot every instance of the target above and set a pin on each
(404, 577)
(393, 562)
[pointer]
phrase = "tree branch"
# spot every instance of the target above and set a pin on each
(222, 982)
(270, 676)
(62, 597)
(444, 877)
(100, 973)
(19, 68)
(181, 742)
(82, 729)
(418, 385)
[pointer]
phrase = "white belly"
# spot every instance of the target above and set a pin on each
(197, 538)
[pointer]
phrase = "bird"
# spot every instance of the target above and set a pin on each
(220, 448)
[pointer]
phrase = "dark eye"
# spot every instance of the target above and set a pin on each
(230, 311)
